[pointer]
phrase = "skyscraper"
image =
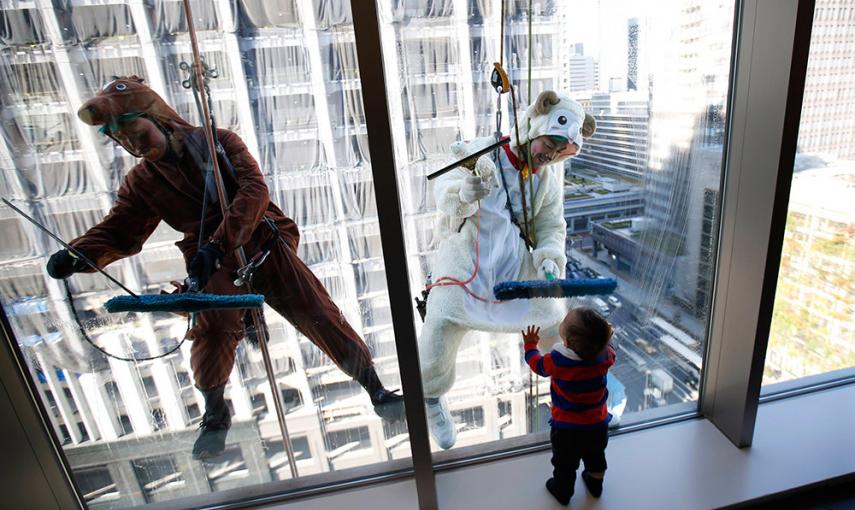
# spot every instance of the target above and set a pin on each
(686, 124)
(619, 146)
(812, 325)
(632, 54)
(583, 70)
(828, 111)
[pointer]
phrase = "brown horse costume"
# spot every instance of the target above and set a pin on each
(172, 190)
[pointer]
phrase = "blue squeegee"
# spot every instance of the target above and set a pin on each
(182, 302)
(554, 288)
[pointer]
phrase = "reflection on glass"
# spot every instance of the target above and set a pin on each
(639, 201)
(287, 86)
(812, 328)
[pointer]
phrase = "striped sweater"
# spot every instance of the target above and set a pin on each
(578, 386)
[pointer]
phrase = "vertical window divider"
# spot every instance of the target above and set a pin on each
(373, 81)
(27, 410)
(770, 62)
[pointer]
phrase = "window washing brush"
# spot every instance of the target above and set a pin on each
(182, 302)
(554, 288)
(133, 302)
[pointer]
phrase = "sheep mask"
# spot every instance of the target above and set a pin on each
(554, 114)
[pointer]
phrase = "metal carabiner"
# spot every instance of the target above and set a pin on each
(243, 275)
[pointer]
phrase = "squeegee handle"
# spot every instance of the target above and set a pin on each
(504, 141)
(77, 253)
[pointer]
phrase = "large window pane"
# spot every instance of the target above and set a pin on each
(812, 328)
(289, 89)
(640, 202)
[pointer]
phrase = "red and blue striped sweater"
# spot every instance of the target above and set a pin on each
(578, 386)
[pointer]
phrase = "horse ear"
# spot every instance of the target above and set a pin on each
(135, 78)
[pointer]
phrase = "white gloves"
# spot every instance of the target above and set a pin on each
(473, 189)
(548, 267)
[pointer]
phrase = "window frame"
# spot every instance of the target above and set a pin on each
(768, 64)
(772, 40)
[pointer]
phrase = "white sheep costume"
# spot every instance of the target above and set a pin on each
(503, 256)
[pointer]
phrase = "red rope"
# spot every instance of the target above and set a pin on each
(445, 281)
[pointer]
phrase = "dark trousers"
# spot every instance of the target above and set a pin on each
(570, 446)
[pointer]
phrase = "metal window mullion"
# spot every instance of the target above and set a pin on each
(772, 40)
(312, 42)
(389, 35)
(149, 47)
(466, 103)
(79, 397)
(62, 58)
(234, 57)
(14, 177)
(32, 416)
(371, 73)
(66, 413)
(85, 134)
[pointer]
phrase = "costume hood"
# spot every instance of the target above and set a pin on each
(551, 114)
(128, 94)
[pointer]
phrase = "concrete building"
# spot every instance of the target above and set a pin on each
(587, 201)
(619, 147)
(693, 278)
(583, 70)
(813, 323)
(686, 145)
(632, 54)
(828, 109)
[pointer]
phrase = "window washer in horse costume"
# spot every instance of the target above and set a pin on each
(169, 184)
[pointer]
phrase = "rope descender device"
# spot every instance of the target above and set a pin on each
(499, 79)
(502, 85)
(244, 274)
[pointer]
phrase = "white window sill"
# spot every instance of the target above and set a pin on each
(689, 465)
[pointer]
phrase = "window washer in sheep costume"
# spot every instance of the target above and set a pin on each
(482, 222)
(169, 185)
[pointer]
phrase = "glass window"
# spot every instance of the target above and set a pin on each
(638, 204)
(286, 84)
(812, 328)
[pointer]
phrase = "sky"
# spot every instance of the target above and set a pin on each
(602, 26)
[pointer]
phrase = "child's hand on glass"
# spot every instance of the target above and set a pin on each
(531, 334)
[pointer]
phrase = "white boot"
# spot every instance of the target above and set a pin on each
(440, 422)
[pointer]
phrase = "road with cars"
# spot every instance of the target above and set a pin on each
(640, 349)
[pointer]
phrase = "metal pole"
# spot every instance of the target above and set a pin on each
(374, 96)
(257, 318)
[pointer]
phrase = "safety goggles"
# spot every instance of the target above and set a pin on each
(112, 130)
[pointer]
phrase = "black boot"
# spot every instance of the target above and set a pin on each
(214, 427)
(594, 485)
(387, 404)
(560, 494)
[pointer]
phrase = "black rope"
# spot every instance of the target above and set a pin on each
(85, 335)
(208, 175)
